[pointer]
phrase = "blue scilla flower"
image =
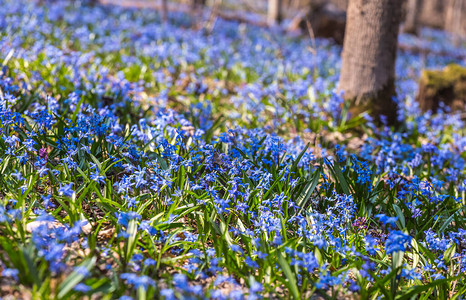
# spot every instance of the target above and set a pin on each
(410, 274)
(150, 262)
(327, 280)
(66, 190)
(145, 225)
(168, 294)
(251, 263)
(137, 257)
(181, 281)
(138, 281)
(386, 220)
(18, 175)
(82, 271)
(12, 273)
(364, 172)
(82, 288)
(236, 248)
(370, 244)
(236, 295)
(396, 241)
(11, 140)
(97, 177)
(436, 243)
(125, 217)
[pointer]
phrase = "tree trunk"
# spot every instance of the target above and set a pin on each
(274, 14)
(197, 4)
(341, 4)
(326, 20)
(164, 10)
(369, 53)
(455, 20)
(413, 11)
(433, 13)
(197, 10)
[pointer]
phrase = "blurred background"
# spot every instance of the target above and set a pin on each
(326, 17)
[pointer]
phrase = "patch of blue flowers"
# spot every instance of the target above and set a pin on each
(142, 159)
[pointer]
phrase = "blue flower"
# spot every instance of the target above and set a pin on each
(81, 287)
(150, 262)
(138, 281)
(97, 177)
(386, 220)
(12, 273)
(66, 190)
(82, 271)
(353, 286)
(236, 248)
(18, 175)
(250, 263)
(124, 218)
(396, 241)
(168, 294)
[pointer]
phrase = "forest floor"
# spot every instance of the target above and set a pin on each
(141, 159)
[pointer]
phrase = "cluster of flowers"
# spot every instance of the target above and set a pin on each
(181, 206)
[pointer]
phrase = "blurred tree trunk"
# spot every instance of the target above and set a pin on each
(326, 20)
(341, 4)
(433, 13)
(197, 7)
(369, 53)
(413, 10)
(165, 10)
(197, 4)
(274, 12)
(455, 19)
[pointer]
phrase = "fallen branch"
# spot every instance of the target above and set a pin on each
(425, 51)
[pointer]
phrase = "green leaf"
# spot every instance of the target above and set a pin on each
(296, 161)
(381, 283)
(418, 289)
(400, 215)
(277, 181)
(291, 282)
(446, 223)
(76, 111)
(96, 161)
(336, 170)
(74, 278)
(308, 190)
(448, 255)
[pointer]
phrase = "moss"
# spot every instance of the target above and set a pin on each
(447, 77)
(447, 85)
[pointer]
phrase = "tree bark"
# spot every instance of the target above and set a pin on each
(413, 11)
(433, 13)
(455, 20)
(197, 4)
(326, 20)
(197, 9)
(369, 53)
(341, 4)
(274, 13)
(164, 10)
